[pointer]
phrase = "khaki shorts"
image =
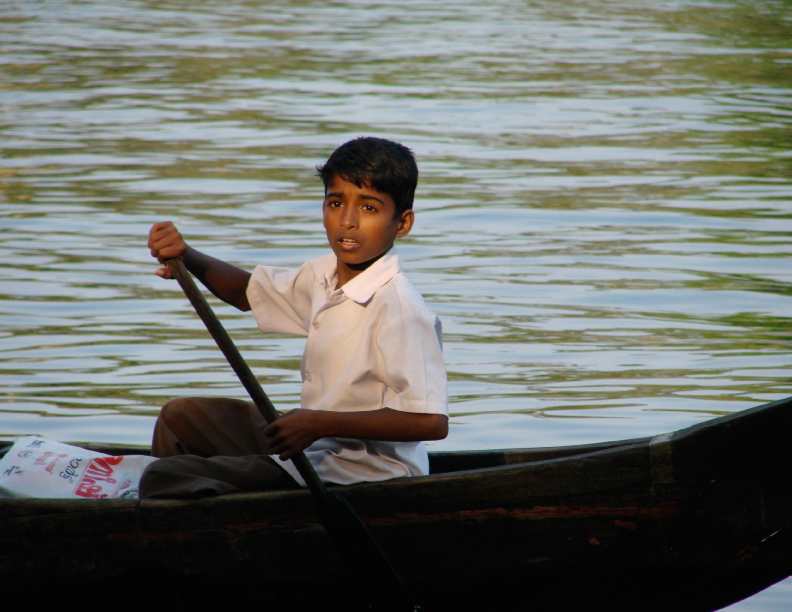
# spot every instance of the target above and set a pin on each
(210, 446)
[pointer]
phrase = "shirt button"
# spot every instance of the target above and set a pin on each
(307, 376)
(316, 325)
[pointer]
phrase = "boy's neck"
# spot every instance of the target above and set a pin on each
(346, 272)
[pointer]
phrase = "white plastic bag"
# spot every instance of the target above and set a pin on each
(36, 467)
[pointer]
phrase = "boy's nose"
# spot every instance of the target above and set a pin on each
(349, 218)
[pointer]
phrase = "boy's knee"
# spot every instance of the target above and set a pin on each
(147, 486)
(182, 477)
(172, 425)
(175, 411)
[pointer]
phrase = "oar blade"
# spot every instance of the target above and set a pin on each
(363, 557)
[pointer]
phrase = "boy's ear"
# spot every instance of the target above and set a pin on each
(406, 222)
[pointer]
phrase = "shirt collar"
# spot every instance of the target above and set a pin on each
(363, 287)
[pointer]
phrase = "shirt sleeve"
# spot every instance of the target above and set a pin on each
(281, 298)
(411, 362)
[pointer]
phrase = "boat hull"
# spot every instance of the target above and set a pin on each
(688, 521)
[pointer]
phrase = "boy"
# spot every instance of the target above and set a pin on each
(374, 381)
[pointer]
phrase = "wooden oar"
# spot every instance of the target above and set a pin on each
(351, 538)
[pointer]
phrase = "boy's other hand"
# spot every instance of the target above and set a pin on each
(294, 432)
(165, 243)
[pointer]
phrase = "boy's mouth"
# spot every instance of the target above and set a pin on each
(348, 244)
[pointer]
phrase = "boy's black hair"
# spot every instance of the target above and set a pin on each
(381, 164)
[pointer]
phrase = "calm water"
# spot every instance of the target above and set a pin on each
(604, 216)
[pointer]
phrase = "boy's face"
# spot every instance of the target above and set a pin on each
(361, 225)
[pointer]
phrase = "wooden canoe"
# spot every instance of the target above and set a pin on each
(689, 521)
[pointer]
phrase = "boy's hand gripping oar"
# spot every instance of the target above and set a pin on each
(351, 538)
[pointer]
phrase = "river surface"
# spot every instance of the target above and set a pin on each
(604, 217)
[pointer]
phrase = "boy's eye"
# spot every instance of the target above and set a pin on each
(334, 203)
(369, 208)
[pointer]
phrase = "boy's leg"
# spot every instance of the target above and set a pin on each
(208, 426)
(191, 477)
(210, 446)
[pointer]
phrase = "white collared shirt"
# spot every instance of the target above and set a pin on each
(371, 344)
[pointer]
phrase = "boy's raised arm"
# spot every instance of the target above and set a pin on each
(225, 281)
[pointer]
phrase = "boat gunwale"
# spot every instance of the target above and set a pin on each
(554, 455)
